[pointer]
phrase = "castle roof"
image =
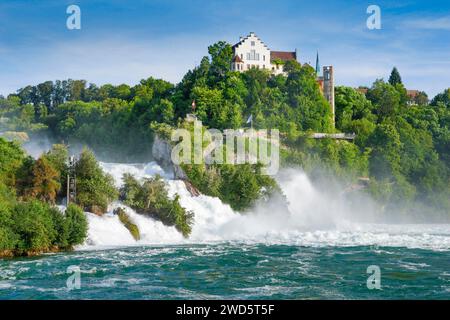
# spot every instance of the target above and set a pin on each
(283, 55)
(243, 39)
(237, 59)
(362, 90)
(412, 93)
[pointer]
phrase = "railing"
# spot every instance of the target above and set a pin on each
(336, 136)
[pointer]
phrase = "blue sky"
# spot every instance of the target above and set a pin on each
(125, 41)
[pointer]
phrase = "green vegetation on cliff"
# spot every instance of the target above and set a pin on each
(151, 198)
(126, 221)
(238, 185)
(34, 227)
(95, 189)
(29, 222)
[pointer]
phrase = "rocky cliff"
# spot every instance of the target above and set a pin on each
(162, 153)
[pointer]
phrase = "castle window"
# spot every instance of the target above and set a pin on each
(264, 57)
(253, 43)
(253, 55)
(242, 56)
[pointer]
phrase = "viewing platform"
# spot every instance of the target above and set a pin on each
(336, 136)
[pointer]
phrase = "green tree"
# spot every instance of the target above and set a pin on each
(61, 229)
(351, 105)
(76, 89)
(151, 198)
(443, 98)
(58, 157)
(12, 158)
(385, 98)
(8, 238)
(163, 111)
(77, 225)
(95, 189)
(45, 181)
(32, 222)
(221, 57)
(395, 77)
(386, 149)
(421, 99)
(312, 110)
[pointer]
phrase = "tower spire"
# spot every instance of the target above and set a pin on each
(317, 64)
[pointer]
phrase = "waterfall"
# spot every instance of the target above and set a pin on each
(316, 219)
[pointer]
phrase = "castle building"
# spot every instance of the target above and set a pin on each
(251, 52)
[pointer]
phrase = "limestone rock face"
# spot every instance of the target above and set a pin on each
(192, 190)
(96, 210)
(162, 153)
(179, 173)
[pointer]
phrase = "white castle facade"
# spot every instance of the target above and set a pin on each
(251, 52)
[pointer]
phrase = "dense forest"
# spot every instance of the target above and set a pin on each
(402, 143)
(29, 221)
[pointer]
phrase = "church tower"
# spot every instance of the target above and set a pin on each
(317, 65)
(328, 87)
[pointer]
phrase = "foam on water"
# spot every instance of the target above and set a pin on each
(315, 220)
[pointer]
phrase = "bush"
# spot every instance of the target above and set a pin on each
(8, 238)
(95, 189)
(45, 183)
(151, 198)
(77, 225)
(11, 160)
(34, 227)
(57, 157)
(126, 221)
(61, 229)
(240, 186)
(32, 222)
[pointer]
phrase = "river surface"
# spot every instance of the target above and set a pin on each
(231, 271)
(318, 251)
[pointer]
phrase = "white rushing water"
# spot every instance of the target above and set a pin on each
(316, 219)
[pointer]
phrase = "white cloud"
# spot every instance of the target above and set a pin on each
(116, 60)
(364, 66)
(429, 23)
(112, 60)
